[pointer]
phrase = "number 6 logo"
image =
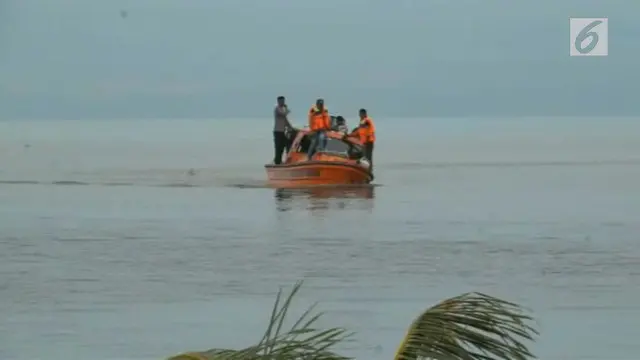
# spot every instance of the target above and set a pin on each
(589, 37)
(586, 33)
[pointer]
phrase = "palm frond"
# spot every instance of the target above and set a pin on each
(302, 341)
(471, 326)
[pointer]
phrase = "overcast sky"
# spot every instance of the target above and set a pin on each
(208, 58)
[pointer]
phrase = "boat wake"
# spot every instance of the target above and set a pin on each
(159, 177)
(84, 183)
(237, 183)
(248, 184)
(247, 178)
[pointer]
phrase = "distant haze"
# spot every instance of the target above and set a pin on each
(214, 58)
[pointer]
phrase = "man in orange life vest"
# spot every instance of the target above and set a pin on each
(319, 121)
(366, 132)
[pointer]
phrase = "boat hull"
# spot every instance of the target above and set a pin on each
(316, 173)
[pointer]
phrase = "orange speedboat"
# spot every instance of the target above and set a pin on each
(340, 162)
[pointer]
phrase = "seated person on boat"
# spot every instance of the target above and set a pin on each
(339, 124)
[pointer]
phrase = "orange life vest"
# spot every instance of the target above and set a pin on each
(367, 131)
(319, 120)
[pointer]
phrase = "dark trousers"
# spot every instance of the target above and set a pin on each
(368, 153)
(279, 145)
(291, 135)
(318, 141)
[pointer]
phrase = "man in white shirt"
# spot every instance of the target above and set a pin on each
(280, 125)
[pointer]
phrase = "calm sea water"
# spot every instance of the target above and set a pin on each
(109, 249)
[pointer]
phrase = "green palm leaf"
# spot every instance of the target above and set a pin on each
(302, 341)
(472, 326)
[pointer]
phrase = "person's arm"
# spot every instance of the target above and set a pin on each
(310, 120)
(360, 125)
(286, 117)
(371, 129)
(282, 111)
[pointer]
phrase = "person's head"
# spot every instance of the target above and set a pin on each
(340, 120)
(320, 104)
(362, 113)
(281, 101)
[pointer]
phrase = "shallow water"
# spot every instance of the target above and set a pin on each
(109, 249)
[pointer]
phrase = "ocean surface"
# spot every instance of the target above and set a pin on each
(111, 249)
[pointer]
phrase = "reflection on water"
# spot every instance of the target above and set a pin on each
(326, 197)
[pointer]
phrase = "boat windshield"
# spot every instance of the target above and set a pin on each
(336, 146)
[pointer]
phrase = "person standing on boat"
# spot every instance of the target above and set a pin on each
(319, 122)
(366, 132)
(280, 125)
